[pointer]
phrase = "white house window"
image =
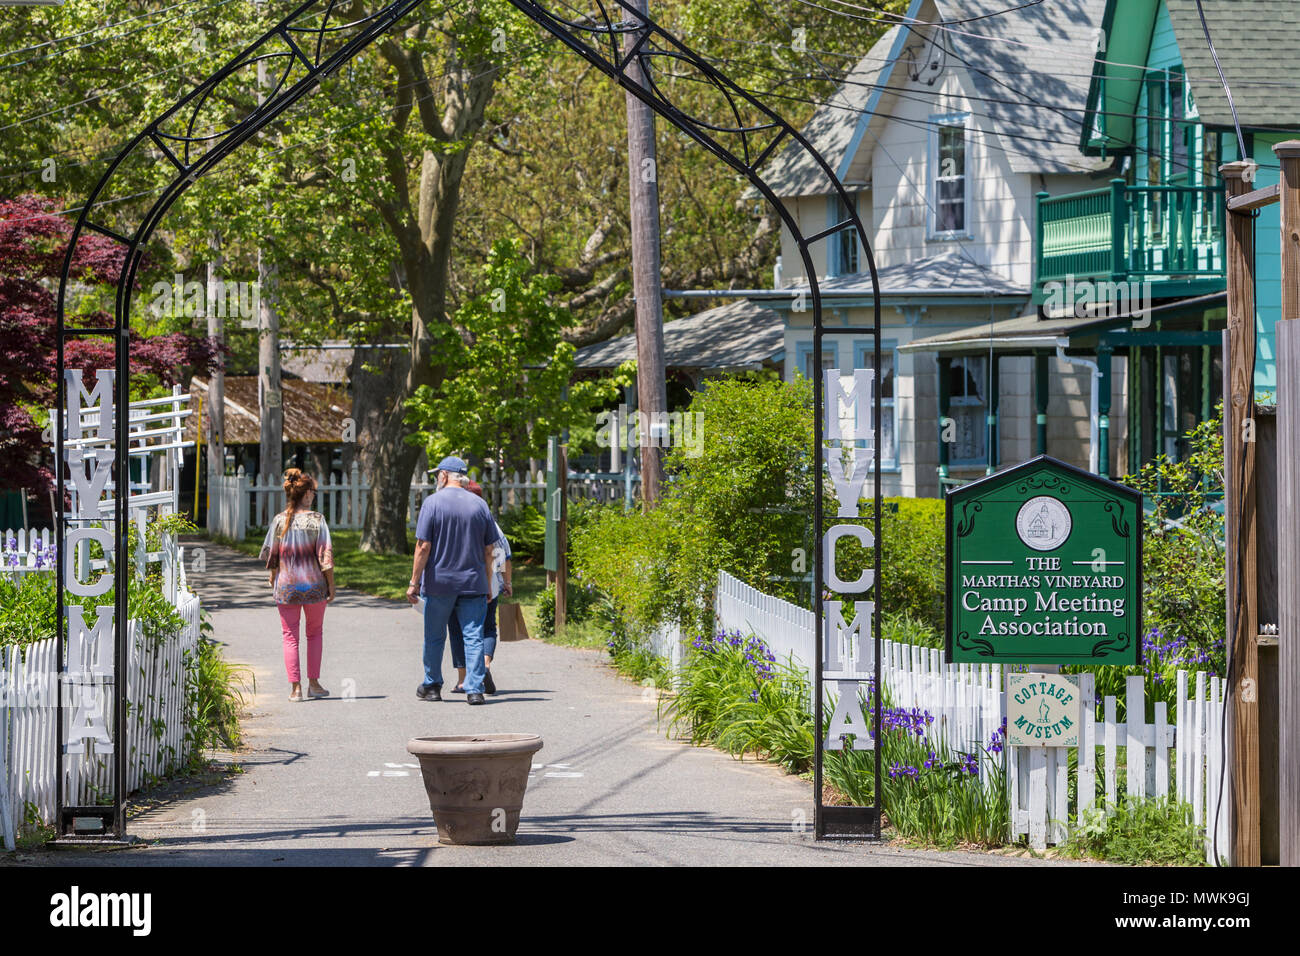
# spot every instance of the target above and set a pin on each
(967, 408)
(948, 177)
(888, 431)
(805, 354)
(847, 240)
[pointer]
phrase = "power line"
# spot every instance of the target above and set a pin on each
(923, 193)
(107, 26)
(120, 36)
(916, 94)
(108, 155)
(528, 50)
(906, 22)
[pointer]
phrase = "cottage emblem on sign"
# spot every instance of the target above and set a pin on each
(1043, 523)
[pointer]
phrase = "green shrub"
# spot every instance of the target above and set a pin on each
(28, 609)
(214, 691)
(1183, 592)
(525, 529)
(912, 555)
(902, 628)
(631, 557)
(1139, 832)
(583, 601)
(637, 662)
(740, 506)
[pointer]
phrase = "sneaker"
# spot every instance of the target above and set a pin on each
(429, 692)
(489, 685)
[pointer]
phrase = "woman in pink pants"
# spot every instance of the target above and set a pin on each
(300, 559)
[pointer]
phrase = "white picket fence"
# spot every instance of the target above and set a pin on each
(239, 502)
(1183, 758)
(156, 723)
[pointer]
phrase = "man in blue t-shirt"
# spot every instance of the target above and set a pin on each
(454, 536)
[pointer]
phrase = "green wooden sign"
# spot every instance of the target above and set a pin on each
(551, 549)
(1044, 567)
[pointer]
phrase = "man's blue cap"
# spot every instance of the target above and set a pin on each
(453, 464)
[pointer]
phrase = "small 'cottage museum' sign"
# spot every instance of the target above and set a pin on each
(1042, 710)
(1044, 566)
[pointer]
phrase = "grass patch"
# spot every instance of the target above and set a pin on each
(383, 575)
(387, 575)
(1139, 833)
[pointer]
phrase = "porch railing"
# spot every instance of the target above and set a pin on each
(1123, 233)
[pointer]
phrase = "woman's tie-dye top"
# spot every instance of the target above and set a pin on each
(300, 557)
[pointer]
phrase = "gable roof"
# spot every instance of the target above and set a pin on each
(948, 273)
(1254, 62)
(831, 130)
(1028, 73)
(737, 335)
(1257, 42)
(314, 414)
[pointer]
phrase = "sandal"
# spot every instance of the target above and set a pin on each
(317, 693)
(296, 697)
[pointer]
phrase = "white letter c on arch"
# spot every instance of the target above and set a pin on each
(833, 580)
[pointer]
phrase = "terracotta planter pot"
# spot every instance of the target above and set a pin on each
(476, 784)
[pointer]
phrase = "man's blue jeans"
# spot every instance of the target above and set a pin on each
(489, 636)
(468, 610)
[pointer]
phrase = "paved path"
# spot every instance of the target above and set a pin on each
(329, 782)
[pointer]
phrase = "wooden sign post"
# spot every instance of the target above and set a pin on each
(1288, 509)
(1239, 503)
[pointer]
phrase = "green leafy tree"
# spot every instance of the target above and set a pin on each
(1183, 571)
(507, 384)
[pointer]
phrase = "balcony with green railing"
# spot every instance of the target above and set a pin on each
(1171, 236)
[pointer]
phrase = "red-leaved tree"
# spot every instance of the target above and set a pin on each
(33, 243)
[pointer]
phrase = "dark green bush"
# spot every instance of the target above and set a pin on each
(742, 506)
(584, 602)
(525, 529)
(1139, 832)
(27, 608)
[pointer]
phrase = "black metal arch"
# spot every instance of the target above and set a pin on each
(172, 144)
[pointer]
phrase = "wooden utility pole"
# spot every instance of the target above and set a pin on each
(643, 180)
(1288, 509)
(1239, 500)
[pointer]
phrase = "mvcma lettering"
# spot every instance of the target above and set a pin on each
(75, 909)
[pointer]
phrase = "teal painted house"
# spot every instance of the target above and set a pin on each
(1156, 103)
(1129, 272)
